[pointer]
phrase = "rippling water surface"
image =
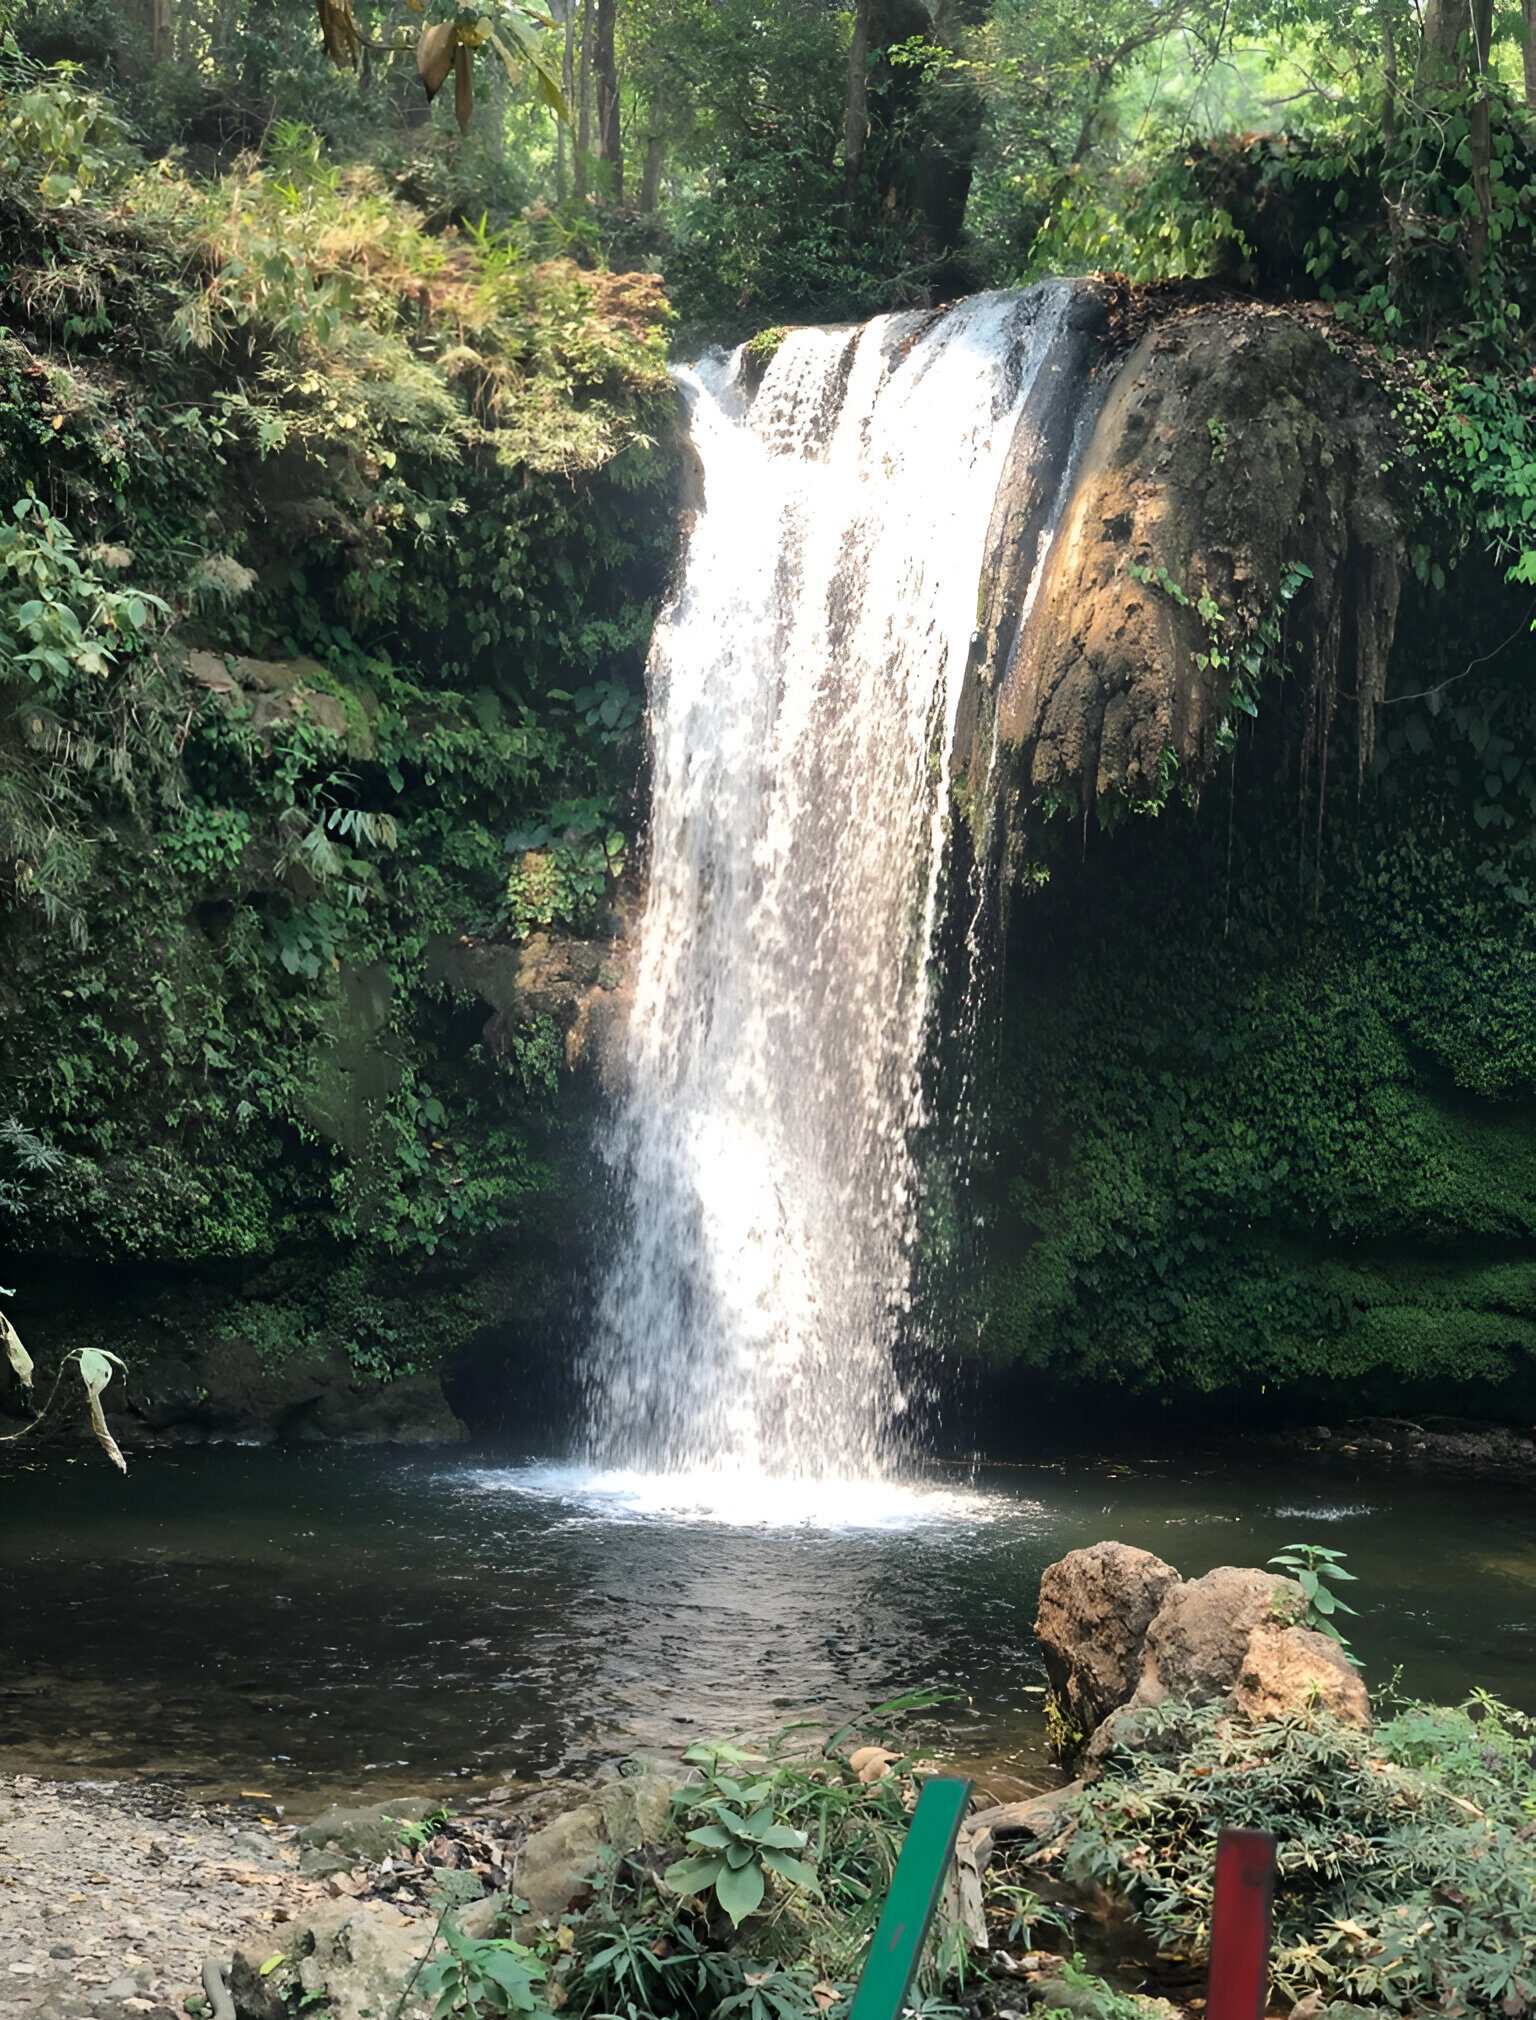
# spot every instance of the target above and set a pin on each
(307, 1624)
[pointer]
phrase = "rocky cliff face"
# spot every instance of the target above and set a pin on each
(1265, 1102)
(1230, 503)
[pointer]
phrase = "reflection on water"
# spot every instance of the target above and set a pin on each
(310, 1623)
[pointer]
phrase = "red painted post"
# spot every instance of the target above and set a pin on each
(1240, 1926)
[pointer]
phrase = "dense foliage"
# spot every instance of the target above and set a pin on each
(1405, 1858)
(1405, 1863)
(331, 559)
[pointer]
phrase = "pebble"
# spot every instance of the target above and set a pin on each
(113, 1895)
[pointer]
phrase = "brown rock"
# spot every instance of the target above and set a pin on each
(1196, 1644)
(1095, 1608)
(1291, 1669)
(1235, 442)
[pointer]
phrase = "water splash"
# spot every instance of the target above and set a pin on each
(804, 688)
(731, 1498)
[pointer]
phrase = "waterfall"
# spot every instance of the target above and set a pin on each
(804, 683)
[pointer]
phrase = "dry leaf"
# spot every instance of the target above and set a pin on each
(96, 1371)
(434, 54)
(15, 1352)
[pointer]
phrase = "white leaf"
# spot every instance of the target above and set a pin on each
(96, 1366)
(15, 1352)
(96, 1371)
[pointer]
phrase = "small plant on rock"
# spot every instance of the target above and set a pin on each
(1315, 1570)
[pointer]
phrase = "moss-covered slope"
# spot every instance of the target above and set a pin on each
(323, 603)
(1266, 1111)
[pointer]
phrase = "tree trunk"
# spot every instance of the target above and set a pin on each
(1389, 77)
(584, 94)
(605, 67)
(568, 86)
(1528, 13)
(656, 155)
(856, 116)
(1445, 23)
(1457, 35)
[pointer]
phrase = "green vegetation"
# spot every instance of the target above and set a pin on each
(1264, 1109)
(1405, 1873)
(495, 1976)
(820, 1845)
(1405, 1863)
(742, 1840)
(324, 529)
(1317, 1570)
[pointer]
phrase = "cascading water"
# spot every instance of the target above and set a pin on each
(804, 688)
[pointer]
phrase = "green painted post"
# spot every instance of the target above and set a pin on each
(914, 1895)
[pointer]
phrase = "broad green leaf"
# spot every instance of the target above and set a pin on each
(549, 90)
(740, 1890)
(739, 1856)
(798, 1871)
(714, 1837)
(784, 1836)
(693, 1876)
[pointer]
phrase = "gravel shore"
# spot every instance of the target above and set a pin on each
(113, 1895)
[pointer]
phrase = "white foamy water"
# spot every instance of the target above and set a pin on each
(804, 685)
(742, 1499)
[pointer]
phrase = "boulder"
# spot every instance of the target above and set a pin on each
(637, 1810)
(1287, 1670)
(1167, 1731)
(1234, 443)
(1096, 1606)
(354, 1959)
(371, 1831)
(557, 1862)
(1198, 1638)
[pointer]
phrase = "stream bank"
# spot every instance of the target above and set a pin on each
(1406, 1852)
(113, 1894)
